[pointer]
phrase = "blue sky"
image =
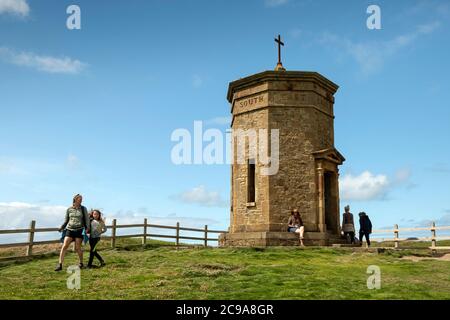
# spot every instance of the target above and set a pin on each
(91, 111)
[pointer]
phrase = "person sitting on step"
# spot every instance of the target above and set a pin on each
(295, 224)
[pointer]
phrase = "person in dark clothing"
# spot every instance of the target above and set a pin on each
(365, 227)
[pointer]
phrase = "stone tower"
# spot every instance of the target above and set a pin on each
(300, 105)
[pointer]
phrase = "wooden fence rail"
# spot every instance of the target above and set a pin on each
(32, 230)
(433, 238)
(113, 227)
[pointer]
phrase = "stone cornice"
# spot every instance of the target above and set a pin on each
(330, 154)
(280, 106)
(265, 76)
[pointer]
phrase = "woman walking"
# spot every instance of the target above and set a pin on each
(295, 224)
(76, 220)
(98, 227)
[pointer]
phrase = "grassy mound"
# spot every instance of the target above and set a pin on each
(273, 273)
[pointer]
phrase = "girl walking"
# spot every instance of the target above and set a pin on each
(98, 227)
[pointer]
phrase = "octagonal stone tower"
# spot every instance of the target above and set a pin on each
(300, 105)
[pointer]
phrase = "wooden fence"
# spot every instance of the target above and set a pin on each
(32, 230)
(397, 231)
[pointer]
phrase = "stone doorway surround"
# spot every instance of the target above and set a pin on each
(327, 162)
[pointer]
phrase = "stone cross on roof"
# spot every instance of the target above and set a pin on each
(279, 66)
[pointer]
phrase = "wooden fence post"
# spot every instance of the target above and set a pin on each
(178, 234)
(144, 239)
(206, 236)
(113, 234)
(396, 236)
(31, 238)
(433, 235)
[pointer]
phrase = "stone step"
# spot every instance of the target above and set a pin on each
(345, 245)
(337, 243)
(335, 239)
(335, 236)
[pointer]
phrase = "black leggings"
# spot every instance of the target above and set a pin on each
(93, 251)
(366, 234)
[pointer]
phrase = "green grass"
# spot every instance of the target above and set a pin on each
(411, 244)
(122, 243)
(274, 273)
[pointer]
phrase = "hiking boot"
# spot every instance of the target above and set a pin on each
(59, 267)
(102, 263)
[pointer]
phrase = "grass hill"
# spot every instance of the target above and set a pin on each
(154, 272)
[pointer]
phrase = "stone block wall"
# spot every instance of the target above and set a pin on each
(300, 105)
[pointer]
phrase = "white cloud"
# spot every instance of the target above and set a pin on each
(15, 215)
(130, 216)
(199, 195)
(366, 186)
(275, 3)
(18, 7)
(371, 55)
(41, 62)
(19, 214)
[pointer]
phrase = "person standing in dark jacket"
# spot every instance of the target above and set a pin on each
(365, 227)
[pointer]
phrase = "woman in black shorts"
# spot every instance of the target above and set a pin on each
(77, 219)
